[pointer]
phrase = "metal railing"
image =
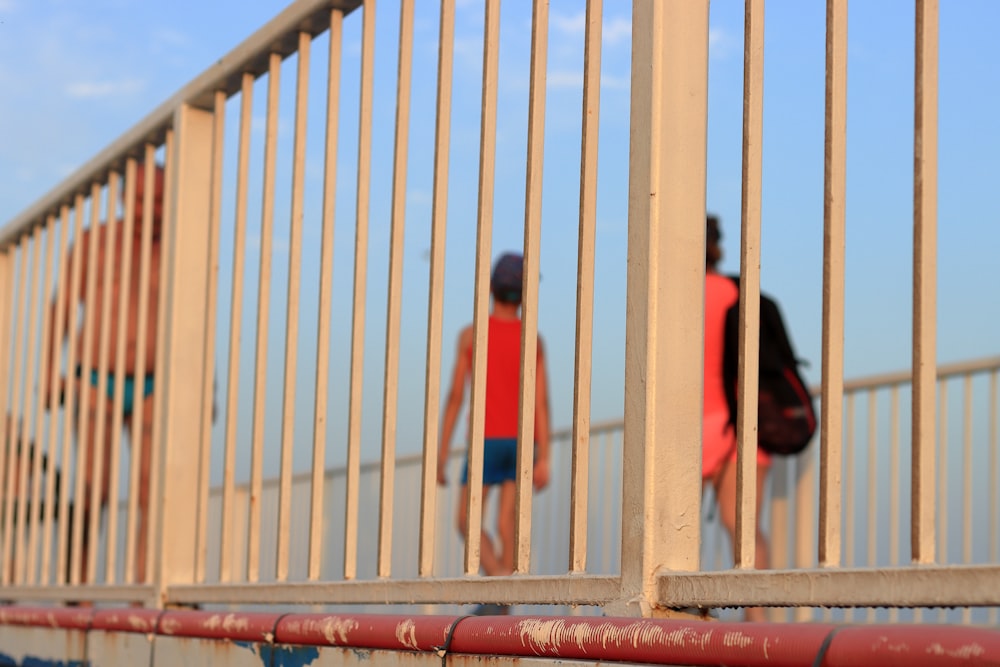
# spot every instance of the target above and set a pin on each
(117, 279)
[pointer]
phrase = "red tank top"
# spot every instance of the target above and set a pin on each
(503, 375)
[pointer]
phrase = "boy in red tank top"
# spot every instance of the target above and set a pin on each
(502, 396)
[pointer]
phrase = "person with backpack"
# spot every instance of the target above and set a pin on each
(718, 466)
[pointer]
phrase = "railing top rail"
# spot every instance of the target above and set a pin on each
(277, 36)
(945, 371)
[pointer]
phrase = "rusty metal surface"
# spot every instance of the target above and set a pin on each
(119, 647)
(244, 627)
(407, 633)
(42, 644)
(126, 620)
(203, 638)
(53, 617)
(196, 651)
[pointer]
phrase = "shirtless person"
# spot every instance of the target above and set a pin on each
(100, 415)
(503, 372)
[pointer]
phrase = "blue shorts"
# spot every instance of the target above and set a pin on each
(499, 461)
(128, 386)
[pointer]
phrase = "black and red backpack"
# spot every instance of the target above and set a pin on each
(786, 419)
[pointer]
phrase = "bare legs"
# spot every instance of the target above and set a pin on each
(725, 492)
(494, 561)
(140, 441)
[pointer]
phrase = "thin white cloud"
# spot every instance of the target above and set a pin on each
(573, 25)
(616, 82)
(574, 80)
(7, 6)
(165, 37)
(720, 43)
(99, 89)
(565, 79)
(616, 31)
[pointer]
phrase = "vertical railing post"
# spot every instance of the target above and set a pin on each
(665, 298)
(184, 278)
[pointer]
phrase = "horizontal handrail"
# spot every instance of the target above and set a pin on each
(251, 56)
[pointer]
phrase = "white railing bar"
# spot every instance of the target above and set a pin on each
(82, 571)
(118, 400)
(941, 465)
(518, 589)
(943, 372)
(139, 526)
(68, 292)
(226, 567)
(967, 481)
(292, 308)
(781, 510)
(43, 372)
(324, 306)
(263, 312)
(924, 278)
(583, 360)
(51, 355)
(15, 426)
(110, 230)
(12, 315)
(994, 478)
(89, 449)
(124, 302)
(745, 547)
(26, 440)
(834, 215)
(894, 491)
(252, 56)
(208, 409)
(363, 206)
(666, 271)
(394, 297)
(435, 299)
(484, 233)
(89, 592)
(968, 585)
(149, 538)
(26, 327)
(872, 501)
(849, 477)
(805, 516)
(894, 462)
(527, 414)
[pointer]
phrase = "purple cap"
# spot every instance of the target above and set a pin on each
(508, 277)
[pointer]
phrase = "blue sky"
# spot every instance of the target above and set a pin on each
(74, 76)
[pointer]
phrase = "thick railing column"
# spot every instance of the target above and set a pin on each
(180, 360)
(665, 300)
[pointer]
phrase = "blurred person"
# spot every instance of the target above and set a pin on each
(718, 434)
(77, 315)
(503, 371)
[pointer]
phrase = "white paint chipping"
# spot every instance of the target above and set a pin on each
(406, 634)
(137, 622)
(169, 626)
(335, 629)
(549, 636)
(736, 639)
(227, 623)
(966, 652)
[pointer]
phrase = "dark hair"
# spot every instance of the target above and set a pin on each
(505, 283)
(713, 251)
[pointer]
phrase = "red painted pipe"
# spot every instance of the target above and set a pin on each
(648, 641)
(703, 643)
